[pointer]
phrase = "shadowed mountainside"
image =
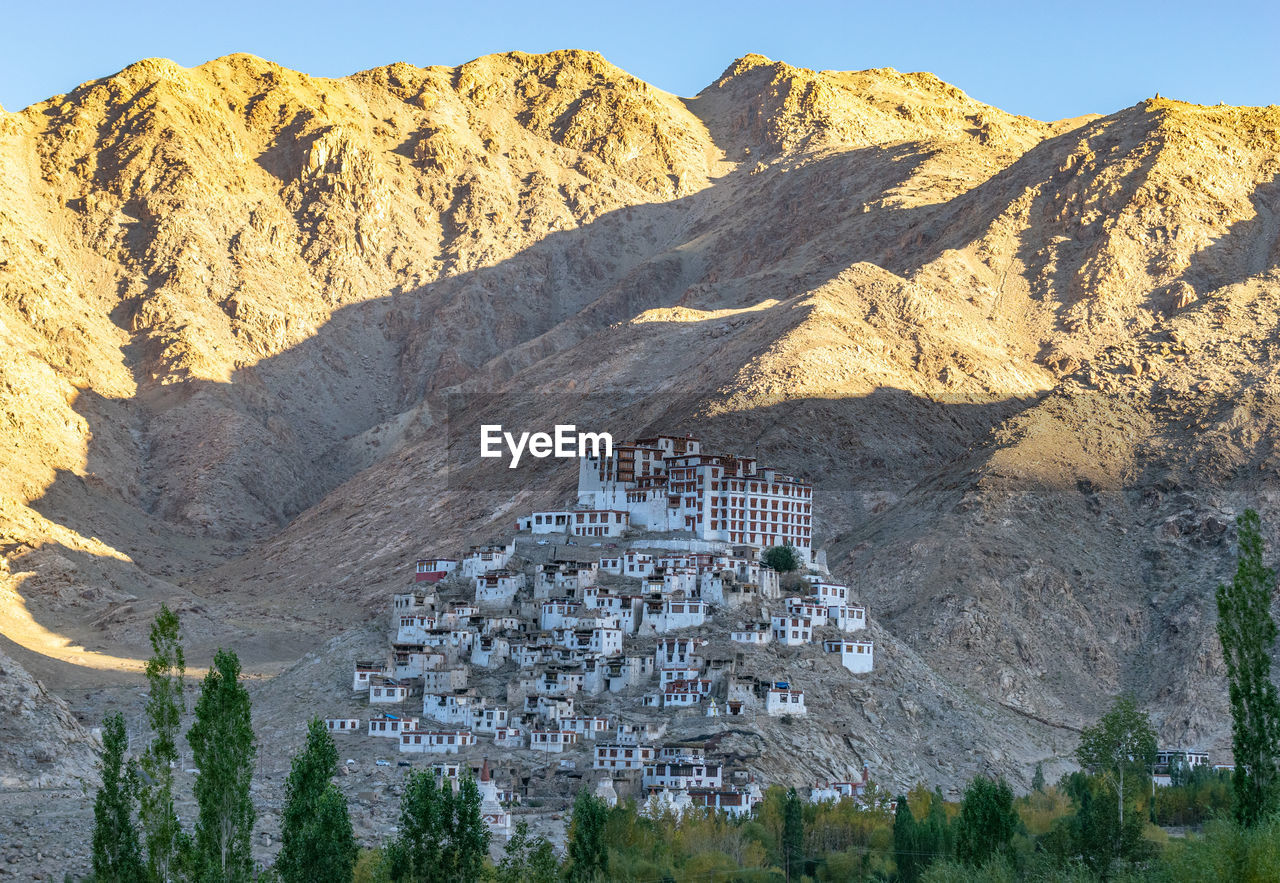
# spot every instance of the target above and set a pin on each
(1030, 367)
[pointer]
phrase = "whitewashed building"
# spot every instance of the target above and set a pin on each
(451, 708)
(508, 737)
(552, 741)
(585, 727)
(781, 701)
(482, 559)
(792, 631)
(498, 588)
(346, 726)
(391, 726)
(559, 613)
(850, 618)
(364, 671)
(623, 756)
(386, 691)
(435, 741)
(670, 614)
(857, 656)
(758, 635)
(724, 498)
(432, 570)
(444, 680)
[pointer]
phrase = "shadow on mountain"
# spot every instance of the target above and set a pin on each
(1252, 244)
(227, 463)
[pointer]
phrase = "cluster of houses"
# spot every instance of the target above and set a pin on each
(569, 621)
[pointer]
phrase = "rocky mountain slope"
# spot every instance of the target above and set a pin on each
(252, 319)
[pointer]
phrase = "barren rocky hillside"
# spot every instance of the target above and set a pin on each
(251, 319)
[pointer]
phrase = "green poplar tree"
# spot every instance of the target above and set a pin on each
(587, 854)
(793, 836)
(1247, 633)
(165, 672)
(415, 852)
(223, 748)
(117, 853)
(987, 821)
(468, 841)
(939, 839)
(1037, 780)
(906, 842)
(317, 843)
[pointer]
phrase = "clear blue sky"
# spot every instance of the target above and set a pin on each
(1046, 60)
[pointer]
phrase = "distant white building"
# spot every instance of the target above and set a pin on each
(489, 719)
(685, 693)
(559, 613)
(498, 587)
(585, 727)
(857, 656)
(482, 559)
(444, 680)
(552, 741)
(850, 618)
(343, 725)
(831, 594)
(490, 652)
(386, 691)
(414, 660)
(623, 757)
(667, 483)
(432, 570)
(679, 651)
(670, 614)
(737, 802)
(577, 522)
(670, 673)
(508, 737)
(563, 579)
(682, 766)
(452, 708)
(781, 701)
(435, 741)
(364, 671)
(391, 726)
(808, 608)
(792, 631)
(756, 635)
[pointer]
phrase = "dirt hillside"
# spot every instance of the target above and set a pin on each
(251, 319)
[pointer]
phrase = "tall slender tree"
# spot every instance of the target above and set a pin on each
(793, 836)
(906, 842)
(587, 854)
(165, 672)
(1247, 633)
(1037, 780)
(117, 852)
(469, 838)
(223, 748)
(415, 852)
(317, 843)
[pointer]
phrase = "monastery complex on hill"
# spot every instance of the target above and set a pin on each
(598, 634)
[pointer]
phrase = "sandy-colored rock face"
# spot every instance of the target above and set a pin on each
(1030, 367)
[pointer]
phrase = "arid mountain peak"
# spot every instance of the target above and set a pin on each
(1029, 366)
